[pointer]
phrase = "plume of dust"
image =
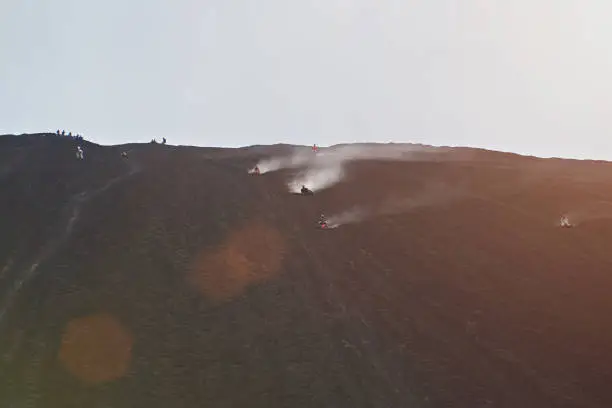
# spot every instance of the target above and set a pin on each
(317, 178)
(433, 195)
(326, 167)
(296, 159)
(595, 211)
(338, 154)
(352, 216)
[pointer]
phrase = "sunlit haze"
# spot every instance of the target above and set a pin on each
(532, 77)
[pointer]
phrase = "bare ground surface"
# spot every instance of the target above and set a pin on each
(175, 279)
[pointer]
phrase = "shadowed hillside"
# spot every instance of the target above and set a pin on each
(174, 278)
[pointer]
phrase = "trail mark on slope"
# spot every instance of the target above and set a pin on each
(65, 227)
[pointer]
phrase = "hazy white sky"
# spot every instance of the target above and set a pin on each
(530, 76)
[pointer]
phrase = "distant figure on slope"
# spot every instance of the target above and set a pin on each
(306, 191)
(565, 222)
(79, 153)
(256, 170)
(164, 140)
(315, 148)
(323, 221)
(124, 155)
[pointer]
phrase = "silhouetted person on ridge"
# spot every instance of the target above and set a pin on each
(164, 140)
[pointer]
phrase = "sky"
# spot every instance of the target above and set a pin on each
(526, 76)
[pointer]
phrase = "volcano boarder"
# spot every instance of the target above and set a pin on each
(564, 222)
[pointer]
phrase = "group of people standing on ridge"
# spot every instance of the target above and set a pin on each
(63, 133)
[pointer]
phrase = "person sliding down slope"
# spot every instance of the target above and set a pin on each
(79, 153)
(306, 191)
(565, 222)
(323, 221)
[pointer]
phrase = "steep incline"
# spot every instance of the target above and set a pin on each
(174, 278)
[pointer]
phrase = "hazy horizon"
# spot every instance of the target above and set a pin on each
(524, 77)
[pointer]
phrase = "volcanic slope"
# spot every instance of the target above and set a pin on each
(173, 278)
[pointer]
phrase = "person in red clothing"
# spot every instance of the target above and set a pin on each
(255, 171)
(323, 221)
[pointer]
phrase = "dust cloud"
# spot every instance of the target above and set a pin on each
(317, 178)
(595, 211)
(432, 195)
(351, 216)
(326, 168)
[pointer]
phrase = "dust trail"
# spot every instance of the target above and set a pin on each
(594, 211)
(351, 216)
(317, 178)
(326, 168)
(296, 159)
(65, 228)
(433, 195)
(302, 157)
